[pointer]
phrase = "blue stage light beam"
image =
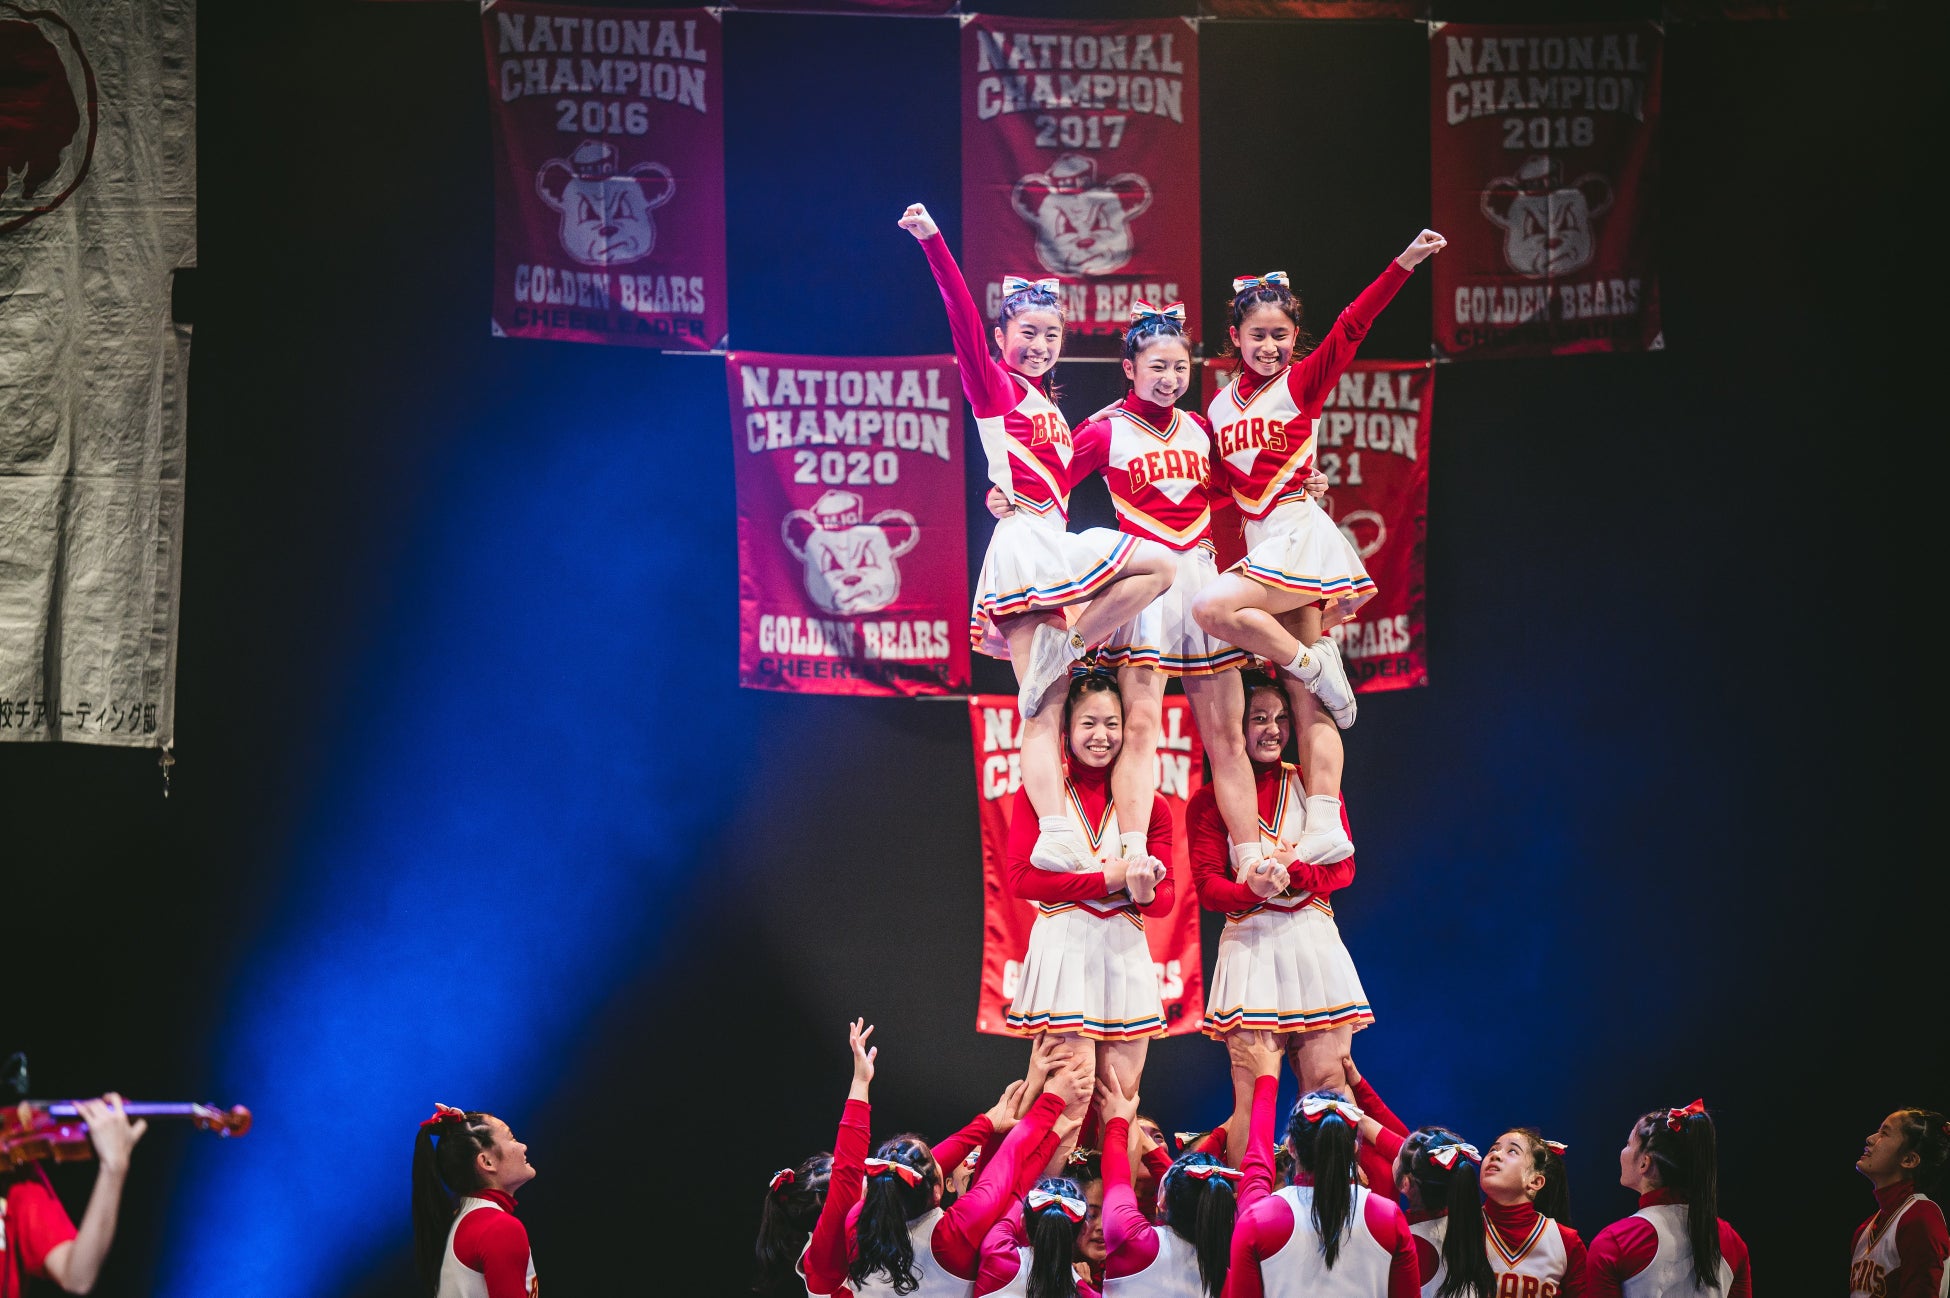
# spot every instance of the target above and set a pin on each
(522, 780)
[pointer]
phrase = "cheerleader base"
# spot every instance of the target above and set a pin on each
(1285, 971)
(1298, 548)
(1089, 974)
(1165, 637)
(1033, 565)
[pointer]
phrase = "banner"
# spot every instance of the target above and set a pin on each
(1006, 921)
(852, 525)
(97, 212)
(1080, 161)
(850, 6)
(1545, 182)
(609, 212)
(1372, 442)
(1316, 8)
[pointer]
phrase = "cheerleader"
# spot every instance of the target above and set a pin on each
(1324, 1235)
(792, 1203)
(1087, 978)
(1523, 1175)
(1300, 575)
(1032, 1251)
(1899, 1252)
(1034, 568)
(1676, 1243)
(882, 1229)
(1282, 966)
(474, 1248)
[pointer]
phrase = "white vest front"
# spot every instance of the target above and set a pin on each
(1299, 1268)
(1875, 1257)
(935, 1282)
(1434, 1231)
(1534, 1266)
(459, 1281)
(1172, 1274)
(1101, 840)
(1670, 1273)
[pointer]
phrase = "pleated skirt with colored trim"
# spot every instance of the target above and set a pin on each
(1088, 974)
(1284, 971)
(1298, 548)
(1033, 564)
(1165, 637)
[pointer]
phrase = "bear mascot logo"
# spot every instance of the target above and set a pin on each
(1546, 223)
(605, 214)
(850, 561)
(1083, 226)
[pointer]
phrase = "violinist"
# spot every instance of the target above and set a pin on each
(466, 1239)
(38, 1240)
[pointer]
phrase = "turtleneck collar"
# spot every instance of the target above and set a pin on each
(1660, 1194)
(1892, 1196)
(1511, 1219)
(1251, 380)
(1090, 777)
(1155, 415)
(1041, 385)
(1425, 1214)
(499, 1198)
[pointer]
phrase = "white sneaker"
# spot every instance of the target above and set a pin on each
(1051, 652)
(1324, 846)
(1060, 851)
(1322, 672)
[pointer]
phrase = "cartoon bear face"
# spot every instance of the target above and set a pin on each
(1546, 226)
(852, 569)
(1083, 227)
(606, 218)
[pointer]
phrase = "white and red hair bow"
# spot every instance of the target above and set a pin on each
(888, 1167)
(1142, 310)
(1271, 279)
(1315, 1107)
(1676, 1118)
(1445, 1157)
(1074, 1209)
(1015, 284)
(1557, 1147)
(784, 1176)
(1206, 1171)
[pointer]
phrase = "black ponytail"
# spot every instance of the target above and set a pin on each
(1554, 1200)
(443, 1166)
(1201, 1211)
(1927, 1135)
(1455, 1189)
(885, 1209)
(785, 1223)
(1325, 1148)
(1052, 1240)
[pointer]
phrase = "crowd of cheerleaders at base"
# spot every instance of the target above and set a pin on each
(990, 1209)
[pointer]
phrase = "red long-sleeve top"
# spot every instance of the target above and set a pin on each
(495, 1244)
(1515, 1221)
(1625, 1248)
(34, 1224)
(1002, 1255)
(1378, 1158)
(1092, 790)
(1921, 1242)
(957, 1237)
(1212, 875)
(1265, 1228)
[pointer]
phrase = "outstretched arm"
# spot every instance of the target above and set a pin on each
(1130, 1242)
(1318, 372)
(76, 1264)
(827, 1258)
(987, 385)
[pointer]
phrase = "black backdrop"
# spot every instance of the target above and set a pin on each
(1659, 827)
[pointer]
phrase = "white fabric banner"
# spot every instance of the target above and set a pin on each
(97, 211)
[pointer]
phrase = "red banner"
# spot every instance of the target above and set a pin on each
(1080, 161)
(1546, 184)
(609, 211)
(1006, 921)
(852, 526)
(850, 6)
(1372, 442)
(1317, 8)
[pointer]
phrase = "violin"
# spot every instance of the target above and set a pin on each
(35, 1131)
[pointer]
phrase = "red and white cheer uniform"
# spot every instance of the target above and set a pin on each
(1378, 1162)
(32, 1224)
(1032, 561)
(1282, 966)
(487, 1251)
(1006, 1258)
(1649, 1255)
(1277, 1252)
(1088, 969)
(1899, 1252)
(1157, 462)
(1532, 1255)
(1263, 430)
(947, 1243)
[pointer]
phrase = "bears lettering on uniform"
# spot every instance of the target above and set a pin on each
(1047, 426)
(1869, 1277)
(1155, 466)
(1512, 1285)
(1253, 435)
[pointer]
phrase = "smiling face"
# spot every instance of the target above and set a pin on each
(1031, 342)
(1161, 371)
(1096, 729)
(1265, 339)
(1509, 1173)
(1884, 1160)
(1267, 724)
(504, 1166)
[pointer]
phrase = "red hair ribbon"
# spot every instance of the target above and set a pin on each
(1558, 1147)
(1206, 1171)
(1271, 279)
(1142, 310)
(887, 1167)
(1074, 1209)
(1676, 1118)
(1313, 1108)
(1016, 284)
(1445, 1157)
(444, 1113)
(784, 1176)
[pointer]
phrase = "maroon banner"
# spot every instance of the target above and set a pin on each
(609, 209)
(1372, 442)
(1080, 161)
(1006, 920)
(1316, 8)
(851, 6)
(852, 526)
(1545, 182)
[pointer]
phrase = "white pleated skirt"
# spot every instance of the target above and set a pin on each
(1285, 971)
(1089, 974)
(1034, 564)
(1299, 548)
(1165, 637)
